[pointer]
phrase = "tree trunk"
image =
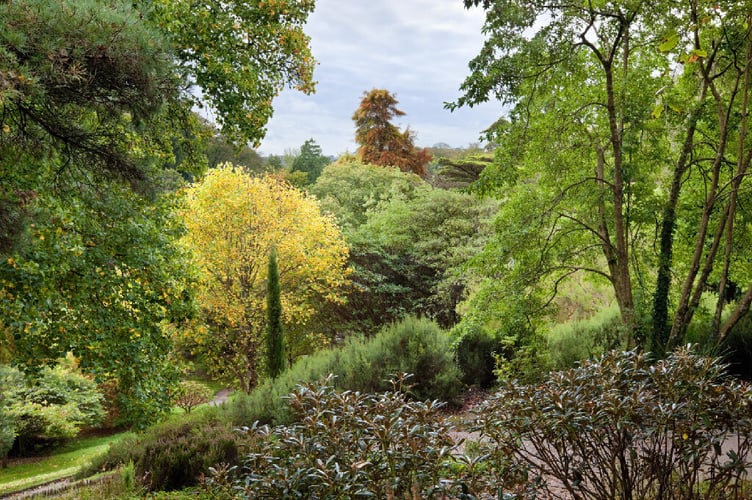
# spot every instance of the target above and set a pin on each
(661, 329)
(622, 281)
(743, 160)
(692, 288)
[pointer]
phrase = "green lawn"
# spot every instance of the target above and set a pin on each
(63, 462)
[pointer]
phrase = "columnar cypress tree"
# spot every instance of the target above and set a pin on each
(275, 349)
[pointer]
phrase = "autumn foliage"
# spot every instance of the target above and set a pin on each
(233, 221)
(381, 142)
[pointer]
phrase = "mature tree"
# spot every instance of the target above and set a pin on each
(219, 151)
(311, 161)
(274, 163)
(103, 86)
(408, 242)
(381, 142)
(593, 157)
(241, 54)
(96, 96)
(233, 220)
(351, 190)
(421, 246)
(100, 276)
(76, 79)
(275, 337)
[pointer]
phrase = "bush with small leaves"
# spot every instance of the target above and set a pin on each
(175, 454)
(191, 394)
(417, 346)
(624, 427)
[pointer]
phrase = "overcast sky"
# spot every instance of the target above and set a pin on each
(417, 49)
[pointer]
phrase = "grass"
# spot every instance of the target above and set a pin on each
(63, 462)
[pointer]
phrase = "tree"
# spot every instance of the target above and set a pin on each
(233, 220)
(104, 86)
(191, 394)
(220, 151)
(275, 346)
(408, 243)
(101, 276)
(350, 190)
(311, 161)
(96, 97)
(241, 54)
(603, 134)
(381, 142)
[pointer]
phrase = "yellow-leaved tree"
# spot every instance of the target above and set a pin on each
(233, 221)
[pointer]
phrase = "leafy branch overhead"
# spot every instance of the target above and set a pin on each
(240, 54)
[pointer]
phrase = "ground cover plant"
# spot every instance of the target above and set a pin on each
(624, 427)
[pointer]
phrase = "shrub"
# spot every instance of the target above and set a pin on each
(577, 340)
(346, 445)
(174, 455)
(45, 409)
(191, 394)
(475, 358)
(737, 348)
(621, 427)
(266, 403)
(415, 346)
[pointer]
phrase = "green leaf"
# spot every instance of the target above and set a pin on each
(657, 111)
(668, 42)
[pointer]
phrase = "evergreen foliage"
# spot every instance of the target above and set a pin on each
(381, 142)
(310, 161)
(415, 346)
(275, 345)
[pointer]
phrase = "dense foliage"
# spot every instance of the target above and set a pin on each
(618, 112)
(624, 426)
(408, 243)
(276, 361)
(344, 445)
(96, 131)
(233, 221)
(415, 346)
(46, 408)
(241, 54)
(174, 454)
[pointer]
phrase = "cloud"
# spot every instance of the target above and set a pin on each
(417, 49)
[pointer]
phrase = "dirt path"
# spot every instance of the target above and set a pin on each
(220, 397)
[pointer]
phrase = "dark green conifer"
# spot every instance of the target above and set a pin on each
(275, 348)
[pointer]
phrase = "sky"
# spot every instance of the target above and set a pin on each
(417, 49)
